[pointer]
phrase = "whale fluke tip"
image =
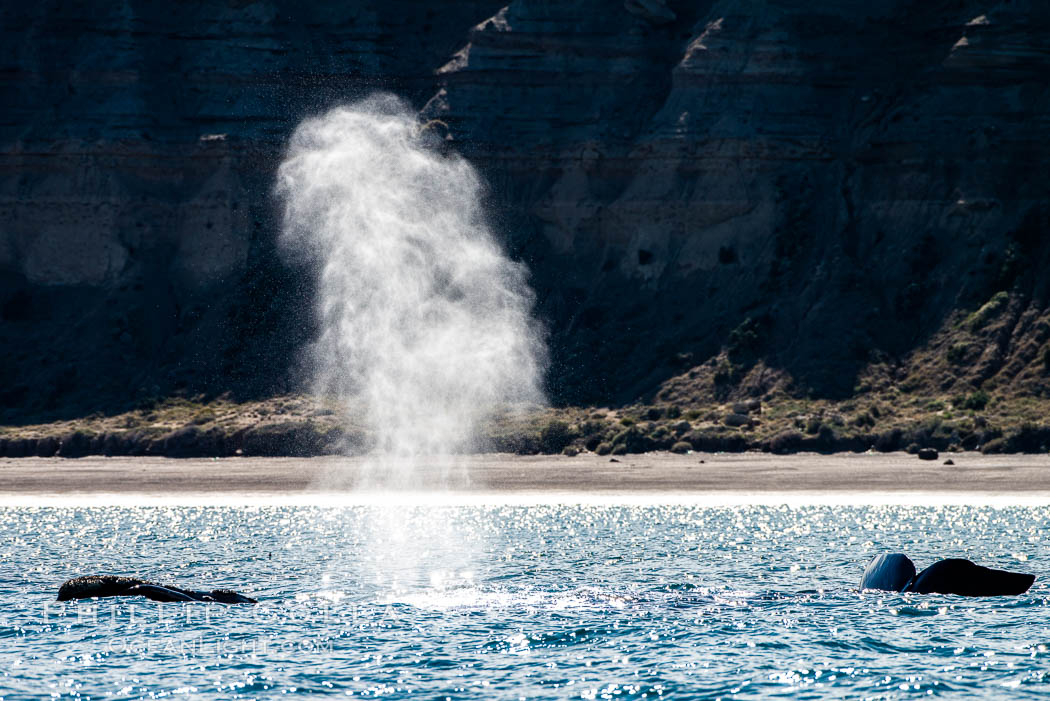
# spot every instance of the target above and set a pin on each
(888, 572)
(964, 578)
(895, 572)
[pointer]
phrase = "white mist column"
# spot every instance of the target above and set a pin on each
(425, 323)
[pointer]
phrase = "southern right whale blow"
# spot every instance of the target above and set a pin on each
(896, 572)
(426, 334)
(426, 324)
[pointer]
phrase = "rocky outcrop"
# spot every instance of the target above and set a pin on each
(762, 194)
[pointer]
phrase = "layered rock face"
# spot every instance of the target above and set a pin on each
(137, 154)
(842, 174)
(815, 186)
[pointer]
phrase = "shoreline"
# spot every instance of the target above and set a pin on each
(586, 474)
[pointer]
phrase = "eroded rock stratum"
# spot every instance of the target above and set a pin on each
(716, 199)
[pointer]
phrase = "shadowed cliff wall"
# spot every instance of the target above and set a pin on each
(814, 186)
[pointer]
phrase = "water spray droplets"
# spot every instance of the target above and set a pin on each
(426, 326)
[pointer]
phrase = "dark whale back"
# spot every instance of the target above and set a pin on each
(155, 592)
(97, 585)
(109, 585)
(229, 596)
(962, 577)
(888, 572)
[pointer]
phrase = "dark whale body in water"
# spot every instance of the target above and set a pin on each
(110, 585)
(895, 572)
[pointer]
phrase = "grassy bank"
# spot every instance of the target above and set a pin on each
(301, 426)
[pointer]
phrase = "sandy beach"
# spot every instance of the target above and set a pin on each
(653, 472)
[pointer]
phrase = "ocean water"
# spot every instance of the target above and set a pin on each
(593, 601)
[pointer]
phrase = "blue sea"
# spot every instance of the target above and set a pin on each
(529, 600)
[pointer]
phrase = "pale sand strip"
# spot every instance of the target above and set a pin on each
(512, 474)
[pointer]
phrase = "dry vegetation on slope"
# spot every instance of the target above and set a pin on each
(961, 391)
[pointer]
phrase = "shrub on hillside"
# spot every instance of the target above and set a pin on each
(785, 442)
(555, 436)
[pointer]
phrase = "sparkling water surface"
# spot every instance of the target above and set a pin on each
(513, 601)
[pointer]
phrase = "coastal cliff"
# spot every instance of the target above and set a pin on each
(137, 158)
(831, 180)
(716, 200)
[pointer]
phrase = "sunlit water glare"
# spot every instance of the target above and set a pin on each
(561, 601)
